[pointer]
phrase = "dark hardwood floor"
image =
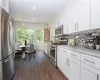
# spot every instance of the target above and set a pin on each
(39, 68)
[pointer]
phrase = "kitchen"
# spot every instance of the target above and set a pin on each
(71, 39)
(79, 60)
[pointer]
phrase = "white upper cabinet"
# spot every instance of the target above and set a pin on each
(79, 16)
(95, 14)
(65, 28)
(71, 22)
(82, 15)
(65, 25)
(0, 2)
(5, 4)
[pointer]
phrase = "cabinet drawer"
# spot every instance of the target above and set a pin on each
(65, 51)
(91, 60)
(74, 54)
(59, 48)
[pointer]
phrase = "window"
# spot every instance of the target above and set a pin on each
(40, 36)
(25, 34)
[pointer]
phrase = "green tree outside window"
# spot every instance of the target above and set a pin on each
(25, 34)
(40, 36)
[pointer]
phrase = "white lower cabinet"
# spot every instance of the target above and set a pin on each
(60, 59)
(78, 66)
(66, 61)
(69, 66)
(89, 73)
(74, 69)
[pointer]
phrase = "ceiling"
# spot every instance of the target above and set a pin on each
(45, 10)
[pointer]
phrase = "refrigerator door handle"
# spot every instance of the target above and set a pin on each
(9, 59)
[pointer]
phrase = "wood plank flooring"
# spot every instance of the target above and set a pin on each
(39, 68)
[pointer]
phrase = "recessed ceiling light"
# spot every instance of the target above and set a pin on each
(34, 7)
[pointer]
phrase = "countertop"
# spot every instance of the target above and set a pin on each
(95, 53)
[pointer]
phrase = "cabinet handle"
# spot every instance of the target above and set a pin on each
(77, 26)
(67, 28)
(67, 61)
(89, 61)
(73, 55)
(64, 51)
(74, 62)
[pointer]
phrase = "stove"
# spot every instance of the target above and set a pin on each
(53, 54)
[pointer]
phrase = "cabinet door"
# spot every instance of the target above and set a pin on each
(65, 29)
(71, 22)
(0, 2)
(89, 73)
(66, 61)
(95, 14)
(74, 69)
(82, 15)
(5, 4)
(59, 58)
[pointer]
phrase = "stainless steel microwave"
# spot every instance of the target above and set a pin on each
(59, 30)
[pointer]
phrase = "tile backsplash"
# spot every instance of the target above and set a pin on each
(86, 37)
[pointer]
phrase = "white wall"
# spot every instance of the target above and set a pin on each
(61, 18)
(30, 25)
(35, 27)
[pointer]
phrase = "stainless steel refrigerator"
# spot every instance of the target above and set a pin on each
(7, 56)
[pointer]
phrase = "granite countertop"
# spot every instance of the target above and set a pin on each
(95, 53)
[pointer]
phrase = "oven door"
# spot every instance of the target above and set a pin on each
(52, 54)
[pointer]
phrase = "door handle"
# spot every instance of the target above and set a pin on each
(9, 59)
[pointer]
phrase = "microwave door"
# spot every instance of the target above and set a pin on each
(59, 31)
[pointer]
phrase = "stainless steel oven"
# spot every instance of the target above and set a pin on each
(53, 55)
